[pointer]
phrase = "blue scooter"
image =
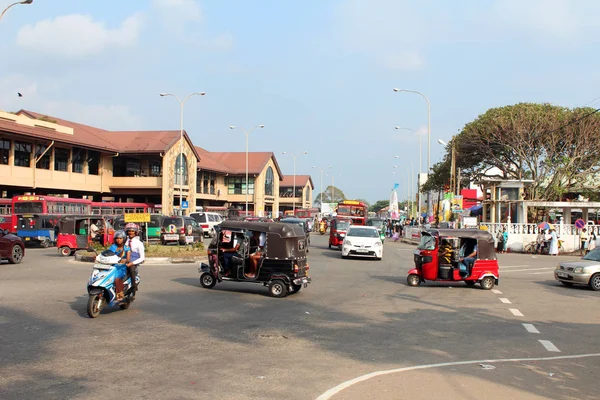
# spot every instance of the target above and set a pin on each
(101, 286)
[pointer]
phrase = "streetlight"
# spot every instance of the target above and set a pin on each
(420, 144)
(321, 195)
(246, 132)
(333, 185)
(181, 105)
(428, 141)
(453, 181)
(14, 4)
(294, 190)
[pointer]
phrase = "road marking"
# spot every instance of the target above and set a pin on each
(516, 312)
(496, 291)
(345, 385)
(538, 273)
(515, 266)
(505, 300)
(529, 269)
(530, 328)
(549, 345)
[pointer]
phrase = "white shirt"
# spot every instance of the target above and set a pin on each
(262, 239)
(137, 250)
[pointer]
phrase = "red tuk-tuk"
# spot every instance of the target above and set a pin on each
(75, 233)
(443, 255)
(337, 231)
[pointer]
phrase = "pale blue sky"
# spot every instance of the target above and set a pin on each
(319, 74)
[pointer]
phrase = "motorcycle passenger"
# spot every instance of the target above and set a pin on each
(123, 251)
(137, 251)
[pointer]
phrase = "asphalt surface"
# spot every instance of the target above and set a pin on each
(180, 341)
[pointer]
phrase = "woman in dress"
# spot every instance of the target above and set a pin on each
(553, 243)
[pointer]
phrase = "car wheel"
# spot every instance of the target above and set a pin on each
(413, 280)
(65, 251)
(595, 282)
(487, 283)
(278, 288)
(16, 254)
(207, 281)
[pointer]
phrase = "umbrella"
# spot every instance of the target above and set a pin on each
(545, 225)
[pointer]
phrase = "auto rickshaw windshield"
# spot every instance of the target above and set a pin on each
(342, 225)
(427, 242)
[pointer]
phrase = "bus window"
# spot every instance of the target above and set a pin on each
(106, 210)
(29, 208)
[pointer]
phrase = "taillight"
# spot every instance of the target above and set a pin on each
(162, 230)
(182, 231)
(296, 268)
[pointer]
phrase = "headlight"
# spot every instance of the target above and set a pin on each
(342, 235)
(578, 270)
(347, 242)
(377, 244)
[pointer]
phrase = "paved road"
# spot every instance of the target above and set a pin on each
(180, 341)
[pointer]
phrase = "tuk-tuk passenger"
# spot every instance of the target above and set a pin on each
(257, 244)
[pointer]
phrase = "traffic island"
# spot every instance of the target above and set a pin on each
(158, 254)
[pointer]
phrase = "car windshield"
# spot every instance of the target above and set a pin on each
(178, 222)
(363, 232)
(593, 255)
(343, 225)
(427, 243)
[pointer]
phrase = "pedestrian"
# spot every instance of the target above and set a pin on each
(583, 241)
(539, 241)
(500, 245)
(553, 243)
(504, 240)
(592, 242)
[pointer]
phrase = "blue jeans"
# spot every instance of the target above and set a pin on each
(227, 261)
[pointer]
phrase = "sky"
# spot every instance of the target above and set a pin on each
(319, 74)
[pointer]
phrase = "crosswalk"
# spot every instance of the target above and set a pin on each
(524, 269)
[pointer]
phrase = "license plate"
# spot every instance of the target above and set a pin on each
(562, 275)
(362, 251)
(171, 237)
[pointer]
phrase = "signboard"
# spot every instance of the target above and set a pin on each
(185, 204)
(137, 217)
(189, 240)
(469, 221)
(580, 224)
(457, 204)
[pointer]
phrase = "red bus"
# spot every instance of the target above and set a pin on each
(7, 221)
(357, 210)
(112, 208)
(306, 212)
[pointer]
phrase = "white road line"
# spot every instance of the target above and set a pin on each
(516, 312)
(523, 270)
(505, 300)
(530, 328)
(538, 273)
(549, 346)
(344, 385)
(496, 291)
(515, 266)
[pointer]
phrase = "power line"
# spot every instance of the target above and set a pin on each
(576, 121)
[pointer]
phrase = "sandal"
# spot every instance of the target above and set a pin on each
(120, 296)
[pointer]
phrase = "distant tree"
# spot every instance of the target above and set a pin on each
(338, 196)
(378, 205)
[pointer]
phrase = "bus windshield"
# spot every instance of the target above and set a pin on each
(34, 207)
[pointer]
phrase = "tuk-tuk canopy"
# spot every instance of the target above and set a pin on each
(283, 230)
(485, 240)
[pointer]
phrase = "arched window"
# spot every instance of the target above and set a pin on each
(307, 194)
(269, 182)
(181, 169)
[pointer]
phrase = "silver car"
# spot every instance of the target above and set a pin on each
(583, 272)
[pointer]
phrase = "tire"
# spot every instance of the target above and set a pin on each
(207, 281)
(344, 257)
(595, 282)
(92, 310)
(487, 283)
(470, 283)
(567, 284)
(65, 251)
(413, 280)
(278, 288)
(16, 254)
(330, 245)
(45, 244)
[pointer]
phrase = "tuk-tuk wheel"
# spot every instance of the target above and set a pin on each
(278, 288)
(207, 281)
(65, 251)
(487, 283)
(329, 245)
(413, 280)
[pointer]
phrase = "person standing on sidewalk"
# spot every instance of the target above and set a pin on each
(583, 241)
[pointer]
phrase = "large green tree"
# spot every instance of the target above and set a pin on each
(331, 194)
(556, 147)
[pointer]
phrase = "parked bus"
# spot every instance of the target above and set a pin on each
(306, 212)
(7, 220)
(112, 208)
(357, 210)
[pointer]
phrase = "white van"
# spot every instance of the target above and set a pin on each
(208, 221)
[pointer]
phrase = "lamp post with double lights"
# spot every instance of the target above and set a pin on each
(246, 132)
(321, 195)
(428, 143)
(14, 4)
(294, 189)
(181, 105)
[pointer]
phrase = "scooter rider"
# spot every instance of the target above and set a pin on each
(137, 251)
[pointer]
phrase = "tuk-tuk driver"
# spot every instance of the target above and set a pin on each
(96, 231)
(229, 252)
(469, 259)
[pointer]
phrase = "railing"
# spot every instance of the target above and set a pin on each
(533, 229)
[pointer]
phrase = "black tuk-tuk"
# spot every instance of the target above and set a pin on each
(280, 264)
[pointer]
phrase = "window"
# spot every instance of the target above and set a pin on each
(298, 192)
(77, 160)
(155, 168)
(237, 185)
(4, 151)
(208, 183)
(269, 182)
(307, 195)
(29, 208)
(61, 160)
(44, 162)
(181, 170)
(133, 168)
(93, 160)
(22, 154)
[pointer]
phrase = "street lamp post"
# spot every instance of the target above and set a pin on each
(246, 132)
(453, 181)
(428, 143)
(181, 105)
(14, 4)
(321, 184)
(294, 189)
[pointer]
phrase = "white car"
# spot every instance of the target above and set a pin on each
(208, 221)
(362, 241)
